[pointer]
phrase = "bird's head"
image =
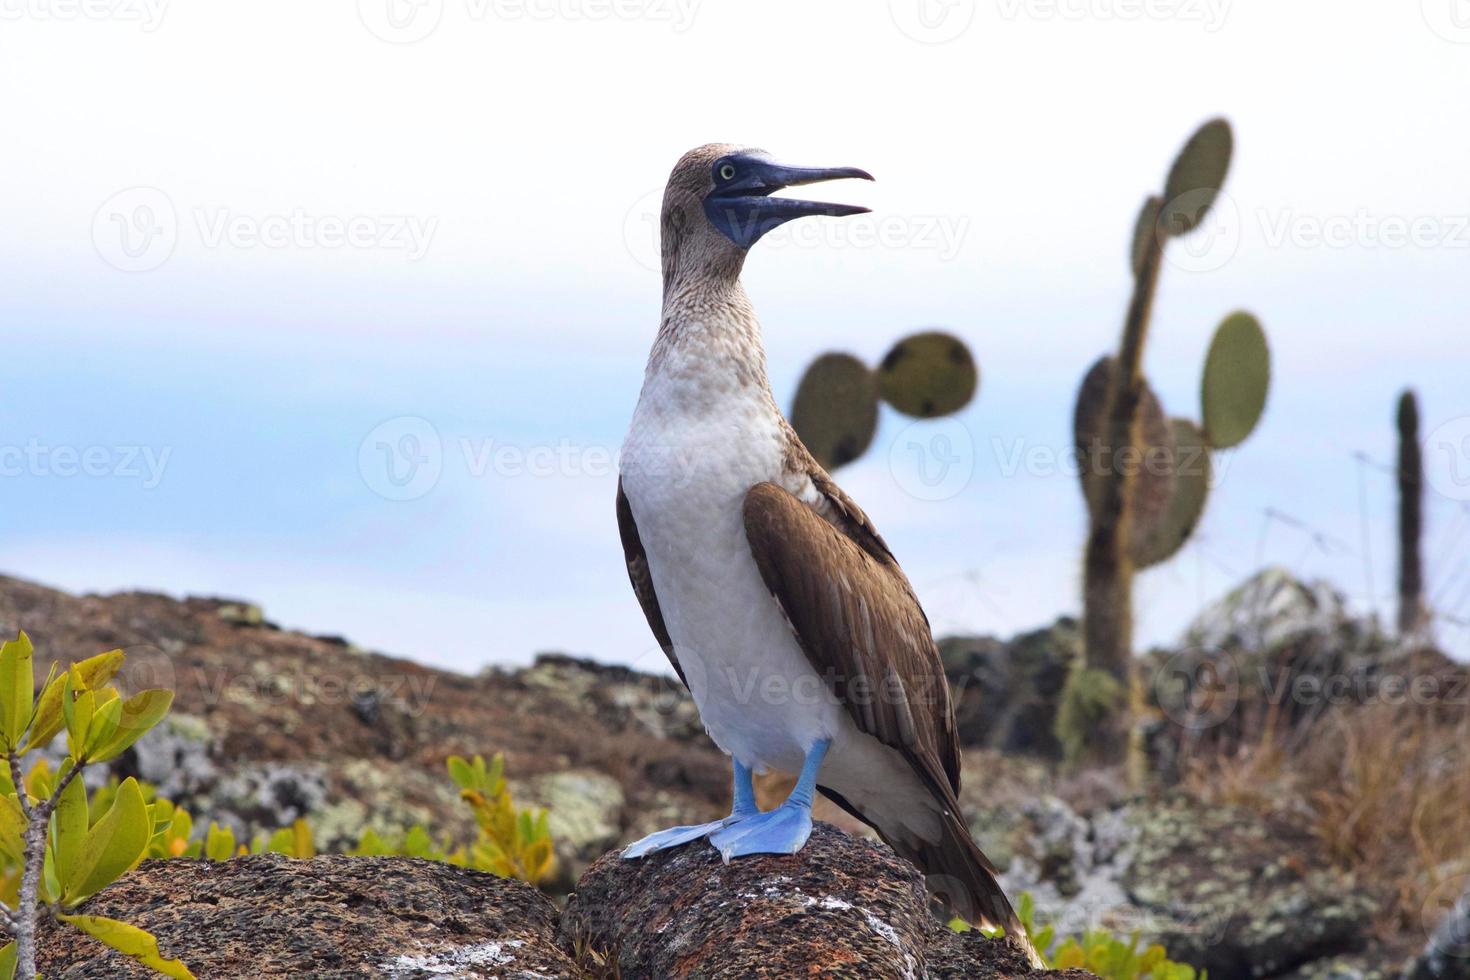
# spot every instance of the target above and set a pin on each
(720, 201)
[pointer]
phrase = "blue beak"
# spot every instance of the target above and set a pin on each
(742, 209)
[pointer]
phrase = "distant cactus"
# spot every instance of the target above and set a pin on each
(1146, 477)
(1412, 612)
(925, 375)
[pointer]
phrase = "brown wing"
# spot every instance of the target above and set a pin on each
(637, 560)
(857, 618)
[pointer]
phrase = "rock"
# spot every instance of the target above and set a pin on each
(1268, 609)
(329, 917)
(1006, 693)
(849, 905)
(268, 725)
(1220, 887)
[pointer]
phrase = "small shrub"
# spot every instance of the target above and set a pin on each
(59, 845)
(1095, 950)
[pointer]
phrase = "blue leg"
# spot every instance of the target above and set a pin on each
(780, 831)
(743, 808)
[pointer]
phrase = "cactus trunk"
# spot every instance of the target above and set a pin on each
(1107, 567)
(1412, 613)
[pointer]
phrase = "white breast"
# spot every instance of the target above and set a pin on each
(685, 470)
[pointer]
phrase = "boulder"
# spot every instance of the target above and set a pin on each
(329, 917)
(1006, 692)
(842, 907)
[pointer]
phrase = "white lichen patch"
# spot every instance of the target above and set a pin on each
(466, 961)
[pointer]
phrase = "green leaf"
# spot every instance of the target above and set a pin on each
(92, 672)
(17, 689)
(105, 718)
(7, 961)
(116, 842)
(219, 842)
(461, 772)
(1237, 376)
(69, 824)
(12, 829)
(130, 941)
(139, 714)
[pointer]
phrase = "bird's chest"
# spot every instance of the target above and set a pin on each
(685, 476)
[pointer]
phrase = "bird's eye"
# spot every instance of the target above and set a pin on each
(727, 171)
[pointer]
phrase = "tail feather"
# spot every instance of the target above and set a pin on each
(956, 872)
(959, 874)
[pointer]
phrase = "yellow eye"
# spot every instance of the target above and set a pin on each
(727, 171)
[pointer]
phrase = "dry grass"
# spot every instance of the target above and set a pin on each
(1386, 787)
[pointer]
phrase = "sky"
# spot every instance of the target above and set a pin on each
(343, 308)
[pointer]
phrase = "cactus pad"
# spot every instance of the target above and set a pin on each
(1148, 224)
(928, 374)
(1153, 485)
(1191, 490)
(1237, 376)
(836, 409)
(1196, 176)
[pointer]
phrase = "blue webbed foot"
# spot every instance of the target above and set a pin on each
(672, 837)
(780, 831)
(743, 809)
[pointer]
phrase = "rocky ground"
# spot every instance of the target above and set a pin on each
(843, 906)
(271, 725)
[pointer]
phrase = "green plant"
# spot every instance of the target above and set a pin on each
(512, 842)
(1412, 613)
(925, 375)
(1096, 951)
(63, 844)
(1146, 477)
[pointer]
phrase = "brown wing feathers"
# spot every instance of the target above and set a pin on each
(859, 622)
(638, 575)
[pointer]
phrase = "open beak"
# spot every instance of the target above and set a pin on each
(743, 209)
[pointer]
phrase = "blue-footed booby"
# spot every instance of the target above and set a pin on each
(774, 597)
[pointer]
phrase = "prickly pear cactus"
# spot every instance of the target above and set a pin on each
(835, 412)
(1153, 465)
(1236, 379)
(1137, 518)
(928, 374)
(836, 409)
(1191, 489)
(1196, 177)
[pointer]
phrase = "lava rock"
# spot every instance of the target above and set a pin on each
(329, 917)
(842, 907)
